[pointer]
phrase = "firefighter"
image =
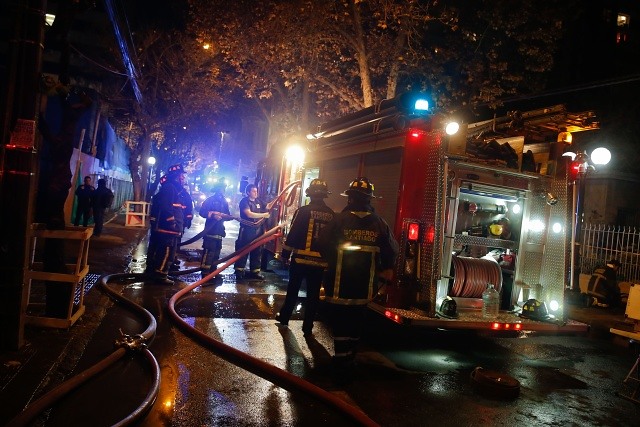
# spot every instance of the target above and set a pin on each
(361, 253)
(186, 203)
(252, 209)
(216, 211)
(306, 262)
(166, 218)
(603, 290)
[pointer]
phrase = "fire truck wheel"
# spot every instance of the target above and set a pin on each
(493, 384)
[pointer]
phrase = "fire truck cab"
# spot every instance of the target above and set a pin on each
(490, 203)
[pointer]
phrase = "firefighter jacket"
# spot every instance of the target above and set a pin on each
(215, 203)
(358, 244)
(166, 210)
(302, 239)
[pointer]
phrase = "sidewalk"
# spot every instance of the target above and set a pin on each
(49, 355)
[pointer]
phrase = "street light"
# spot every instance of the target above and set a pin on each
(150, 161)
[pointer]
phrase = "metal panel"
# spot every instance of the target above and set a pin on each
(338, 173)
(383, 170)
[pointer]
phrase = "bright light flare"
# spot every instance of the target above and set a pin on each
(452, 128)
(601, 156)
(295, 154)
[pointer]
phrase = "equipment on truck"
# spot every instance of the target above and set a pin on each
(490, 203)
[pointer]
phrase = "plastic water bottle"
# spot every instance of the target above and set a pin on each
(490, 302)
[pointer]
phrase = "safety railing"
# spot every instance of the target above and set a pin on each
(601, 243)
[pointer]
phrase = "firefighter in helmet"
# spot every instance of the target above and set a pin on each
(166, 218)
(306, 262)
(361, 253)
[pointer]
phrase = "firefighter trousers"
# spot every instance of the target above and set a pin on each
(312, 277)
(346, 322)
(211, 254)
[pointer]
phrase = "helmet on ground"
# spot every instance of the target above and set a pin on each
(448, 308)
(317, 187)
(360, 186)
(536, 310)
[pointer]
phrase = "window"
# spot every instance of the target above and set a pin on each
(622, 34)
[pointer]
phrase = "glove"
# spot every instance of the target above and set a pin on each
(187, 223)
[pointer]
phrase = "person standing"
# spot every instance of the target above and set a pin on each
(216, 211)
(101, 201)
(603, 289)
(252, 210)
(306, 263)
(186, 203)
(361, 252)
(83, 209)
(166, 219)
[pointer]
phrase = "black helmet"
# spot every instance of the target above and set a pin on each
(536, 310)
(360, 186)
(317, 187)
(448, 308)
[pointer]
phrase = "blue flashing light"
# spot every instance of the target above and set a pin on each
(421, 105)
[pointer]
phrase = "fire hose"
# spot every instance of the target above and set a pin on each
(252, 364)
(127, 344)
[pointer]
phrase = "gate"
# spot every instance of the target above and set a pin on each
(604, 242)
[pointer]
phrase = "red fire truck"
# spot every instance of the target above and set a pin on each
(491, 203)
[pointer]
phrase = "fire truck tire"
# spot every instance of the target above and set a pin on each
(493, 384)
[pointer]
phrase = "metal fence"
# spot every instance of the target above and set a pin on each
(604, 242)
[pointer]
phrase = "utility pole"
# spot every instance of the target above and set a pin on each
(19, 162)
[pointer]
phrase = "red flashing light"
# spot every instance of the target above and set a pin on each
(574, 170)
(413, 232)
(506, 326)
(415, 135)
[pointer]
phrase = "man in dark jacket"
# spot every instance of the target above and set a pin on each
(216, 211)
(101, 200)
(603, 287)
(306, 262)
(84, 193)
(252, 210)
(361, 251)
(166, 220)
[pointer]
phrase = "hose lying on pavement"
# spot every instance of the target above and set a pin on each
(128, 343)
(252, 364)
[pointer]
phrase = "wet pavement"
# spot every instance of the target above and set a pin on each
(422, 380)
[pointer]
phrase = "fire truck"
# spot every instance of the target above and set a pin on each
(490, 203)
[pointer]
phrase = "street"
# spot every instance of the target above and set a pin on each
(403, 378)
